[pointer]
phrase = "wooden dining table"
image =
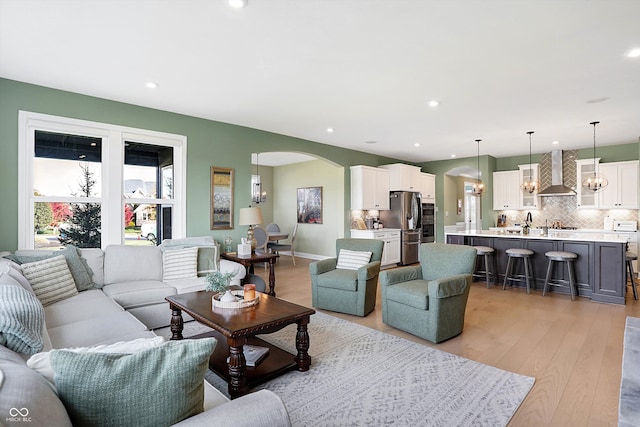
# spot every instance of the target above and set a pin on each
(275, 236)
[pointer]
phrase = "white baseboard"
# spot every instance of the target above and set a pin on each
(314, 257)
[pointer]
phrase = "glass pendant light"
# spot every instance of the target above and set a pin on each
(530, 186)
(478, 186)
(594, 182)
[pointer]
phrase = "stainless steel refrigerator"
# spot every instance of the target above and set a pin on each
(405, 213)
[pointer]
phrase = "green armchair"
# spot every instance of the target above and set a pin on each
(347, 291)
(429, 300)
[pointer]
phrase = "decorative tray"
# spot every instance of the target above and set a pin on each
(240, 303)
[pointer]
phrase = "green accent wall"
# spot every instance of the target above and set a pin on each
(210, 143)
(311, 238)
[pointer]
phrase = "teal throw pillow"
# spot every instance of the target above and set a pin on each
(80, 270)
(156, 387)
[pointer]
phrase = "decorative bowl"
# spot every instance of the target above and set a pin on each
(240, 303)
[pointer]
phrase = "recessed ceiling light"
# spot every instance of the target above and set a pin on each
(238, 4)
(453, 156)
(633, 53)
(416, 145)
(330, 130)
(597, 100)
(433, 103)
(151, 85)
(556, 142)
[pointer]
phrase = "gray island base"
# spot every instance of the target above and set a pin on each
(600, 267)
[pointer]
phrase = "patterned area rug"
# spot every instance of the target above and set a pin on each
(363, 377)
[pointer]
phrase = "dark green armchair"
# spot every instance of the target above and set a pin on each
(343, 290)
(429, 300)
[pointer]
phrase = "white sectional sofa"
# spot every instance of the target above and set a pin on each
(125, 303)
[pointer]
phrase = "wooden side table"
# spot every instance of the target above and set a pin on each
(254, 259)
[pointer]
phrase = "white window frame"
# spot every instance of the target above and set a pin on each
(112, 199)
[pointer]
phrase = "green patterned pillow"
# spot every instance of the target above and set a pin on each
(156, 387)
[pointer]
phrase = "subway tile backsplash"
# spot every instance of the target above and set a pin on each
(563, 209)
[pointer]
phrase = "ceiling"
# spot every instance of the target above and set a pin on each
(367, 69)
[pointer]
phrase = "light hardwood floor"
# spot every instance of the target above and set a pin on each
(572, 348)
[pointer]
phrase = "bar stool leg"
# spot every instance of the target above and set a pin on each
(572, 281)
(486, 268)
(527, 274)
(633, 280)
(546, 280)
(506, 274)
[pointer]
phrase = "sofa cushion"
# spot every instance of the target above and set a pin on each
(189, 285)
(97, 390)
(80, 270)
(104, 329)
(94, 259)
(23, 388)
(21, 318)
(41, 362)
(208, 251)
(139, 293)
(352, 260)
(346, 280)
(85, 305)
(179, 264)
(124, 263)
(414, 293)
(50, 279)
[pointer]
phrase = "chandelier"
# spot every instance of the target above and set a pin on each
(594, 182)
(530, 186)
(478, 187)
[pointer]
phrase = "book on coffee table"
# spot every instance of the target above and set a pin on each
(253, 354)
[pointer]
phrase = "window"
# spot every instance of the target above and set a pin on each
(93, 184)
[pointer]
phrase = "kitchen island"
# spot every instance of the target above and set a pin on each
(600, 267)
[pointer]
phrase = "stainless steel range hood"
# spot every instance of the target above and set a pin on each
(557, 187)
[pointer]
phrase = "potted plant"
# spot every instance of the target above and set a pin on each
(219, 282)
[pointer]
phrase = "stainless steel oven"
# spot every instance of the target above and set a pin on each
(428, 223)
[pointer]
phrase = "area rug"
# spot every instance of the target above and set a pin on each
(363, 377)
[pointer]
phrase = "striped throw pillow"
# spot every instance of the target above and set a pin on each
(180, 264)
(50, 279)
(352, 260)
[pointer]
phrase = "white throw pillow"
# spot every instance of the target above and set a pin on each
(352, 260)
(180, 264)
(50, 279)
(40, 362)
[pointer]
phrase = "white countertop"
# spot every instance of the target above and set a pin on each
(576, 235)
(377, 229)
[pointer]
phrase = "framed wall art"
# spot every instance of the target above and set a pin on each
(310, 205)
(221, 198)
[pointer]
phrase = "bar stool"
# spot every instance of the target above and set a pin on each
(630, 257)
(525, 255)
(561, 256)
(486, 252)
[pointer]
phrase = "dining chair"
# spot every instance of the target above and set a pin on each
(272, 228)
(262, 239)
(277, 247)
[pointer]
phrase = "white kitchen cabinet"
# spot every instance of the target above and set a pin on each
(586, 199)
(527, 200)
(506, 190)
(428, 187)
(391, 239)
(622, 191)
(403, 177)
(369, 188)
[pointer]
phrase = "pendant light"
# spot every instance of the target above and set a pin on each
(478, 186)
(257, 195)
(594, 182)
(530, 186)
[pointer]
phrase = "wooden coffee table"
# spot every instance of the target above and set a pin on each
(233, 328)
